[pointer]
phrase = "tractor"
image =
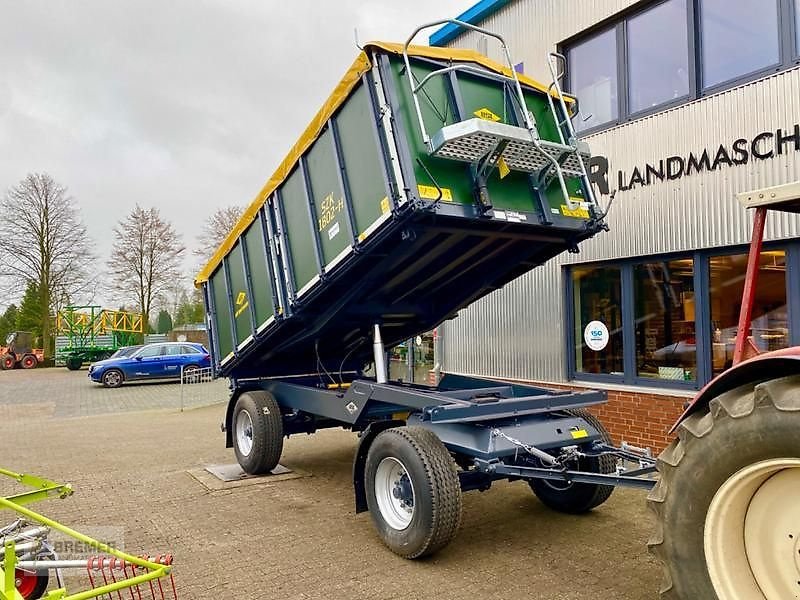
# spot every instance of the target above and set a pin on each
(19, 352)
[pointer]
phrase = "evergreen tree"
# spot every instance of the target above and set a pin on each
(29, 317)
(8, 322)
(164, 324)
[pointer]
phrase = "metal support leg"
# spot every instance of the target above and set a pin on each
(750, 281)
(381, 375)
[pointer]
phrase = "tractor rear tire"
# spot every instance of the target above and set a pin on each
(413, 491)
(257, 432)
(29, 361)
(7, 362)
(578, 498)
(74, 363)
(727, 515)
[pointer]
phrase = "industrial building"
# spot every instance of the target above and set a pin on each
(684, 103)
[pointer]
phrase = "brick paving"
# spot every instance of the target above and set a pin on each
(128, 453)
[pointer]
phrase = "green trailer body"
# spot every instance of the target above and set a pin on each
(367, 222)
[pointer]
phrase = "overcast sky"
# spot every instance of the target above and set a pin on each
(186, 105)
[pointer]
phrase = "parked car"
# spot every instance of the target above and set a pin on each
(126, 351)
(151, 361)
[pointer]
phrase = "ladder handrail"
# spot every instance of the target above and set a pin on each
(518, 87)
(552, 63)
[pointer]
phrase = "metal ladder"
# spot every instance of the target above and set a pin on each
(483, 143)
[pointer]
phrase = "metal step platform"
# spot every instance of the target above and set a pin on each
(472, 140)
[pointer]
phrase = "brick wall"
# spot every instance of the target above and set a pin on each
(639, 418)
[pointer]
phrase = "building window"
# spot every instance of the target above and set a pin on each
(769, 324)
(661, 60)
(593, 78)
(597, 293)
(664, 311)
(658, 56)
(737, 38)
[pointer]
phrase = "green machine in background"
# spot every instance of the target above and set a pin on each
(84, 327)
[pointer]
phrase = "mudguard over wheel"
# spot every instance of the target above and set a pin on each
(413, 491)
(726, 505)
(257, 432)
(577, 498)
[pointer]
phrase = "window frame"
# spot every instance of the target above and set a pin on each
(788, 51)
(702, 286)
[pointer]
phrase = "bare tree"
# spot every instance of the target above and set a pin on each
(145, 259)
(44, 242)
(215, 229)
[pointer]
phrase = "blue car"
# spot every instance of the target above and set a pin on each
(151, 361)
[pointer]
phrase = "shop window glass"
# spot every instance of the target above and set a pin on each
(593, 79)
(737, 38)
(665, 320)
(769, 328)
(658, 56)
(598, 319)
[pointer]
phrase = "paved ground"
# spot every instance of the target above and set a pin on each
(298, 538)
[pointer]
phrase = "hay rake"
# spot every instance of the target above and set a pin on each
(28, 558)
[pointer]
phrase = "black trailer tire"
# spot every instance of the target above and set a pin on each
(7, 362)
(112, 378)
(257, 432)
(427, 470)
(30, 585)
(74, 363)
(29, 361)
(700, 537)
(578, 498)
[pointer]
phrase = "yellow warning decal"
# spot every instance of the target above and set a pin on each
(579, 433)
(432, 193)
(385, 205)
(578, 213)
(241, 304)
(502, 168)
(485, 114)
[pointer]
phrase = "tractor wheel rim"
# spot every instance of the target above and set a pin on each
(244, 433)
(752, 532)
(394, 493)
(25, 582)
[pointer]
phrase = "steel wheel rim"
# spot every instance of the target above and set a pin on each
(244, 433)
(752, 532)
(112, 378)
(25, 582)
(394, 493)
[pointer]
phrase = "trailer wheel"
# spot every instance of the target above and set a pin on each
(727, 515)
(257, 432)
(413, 491)
(74, 363)
(7, 362)
(29, 361)
(31, 585)
(578, 498)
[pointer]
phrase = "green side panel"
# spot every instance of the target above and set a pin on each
(512, 192)
(328, 197)
(222, 321)
(259, 273)
(362, 160)
(241, 299)
(298, 230)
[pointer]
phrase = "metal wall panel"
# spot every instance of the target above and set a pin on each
(518, 331)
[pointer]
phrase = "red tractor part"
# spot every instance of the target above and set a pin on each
(727, 516)
(19, 351)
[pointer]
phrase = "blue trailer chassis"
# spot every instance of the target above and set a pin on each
(494, 429)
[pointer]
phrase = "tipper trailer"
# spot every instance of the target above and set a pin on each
(430, 177)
